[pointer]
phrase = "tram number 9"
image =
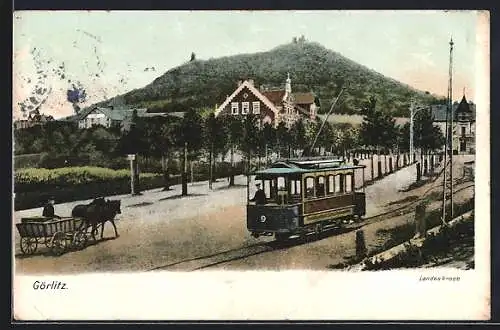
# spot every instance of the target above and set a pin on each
(262, 218)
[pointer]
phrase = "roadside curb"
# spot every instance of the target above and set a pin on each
(415, 242)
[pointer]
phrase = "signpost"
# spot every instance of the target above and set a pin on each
(133, 173)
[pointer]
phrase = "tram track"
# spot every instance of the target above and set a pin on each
(216, 259)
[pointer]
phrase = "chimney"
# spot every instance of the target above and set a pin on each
(250, 81)
(240, 82)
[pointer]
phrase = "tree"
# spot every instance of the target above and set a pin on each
(268, 139)
(282, 138)
(378, 129)
(427, 136)
(250, 139)
(189, 138)
(235, 136)
(214, 141)
(298, 135)
(193, 57)
(165, 144)
(403, 140)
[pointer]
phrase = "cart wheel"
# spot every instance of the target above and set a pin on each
(29, 245)
(58, 243)
(79, 240)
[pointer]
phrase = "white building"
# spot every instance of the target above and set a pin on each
(464, 124)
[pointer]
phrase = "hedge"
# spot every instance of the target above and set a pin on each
(33, 186)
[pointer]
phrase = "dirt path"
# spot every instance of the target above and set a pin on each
(158, 228)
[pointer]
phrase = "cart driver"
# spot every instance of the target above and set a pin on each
(260, 196)
(48, 209)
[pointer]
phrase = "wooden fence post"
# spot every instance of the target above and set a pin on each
(361, 250)
(426, 165)
(371, 168)
(420, 220)
(379, 167)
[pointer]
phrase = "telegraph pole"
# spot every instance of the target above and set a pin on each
(411, 130)
(450, 104)
(324, 121)
(444, 169)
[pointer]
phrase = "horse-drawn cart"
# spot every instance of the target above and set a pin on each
(58, 234)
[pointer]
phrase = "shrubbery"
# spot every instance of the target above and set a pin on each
(68, 176)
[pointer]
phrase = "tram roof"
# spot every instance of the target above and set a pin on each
(297, 167)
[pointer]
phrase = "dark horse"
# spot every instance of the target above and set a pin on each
(99, 211)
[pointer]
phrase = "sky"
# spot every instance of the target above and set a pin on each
(111, 52)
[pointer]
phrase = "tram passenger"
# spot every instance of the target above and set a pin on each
(48, 209)
(260, 196)
(320, 192)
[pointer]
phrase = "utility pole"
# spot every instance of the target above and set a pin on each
(324, 121)
(450, 104)
(411, 130)
(184, 172)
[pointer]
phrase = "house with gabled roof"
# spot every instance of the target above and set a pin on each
(464, 124)
(113, 116)
(33, 118)
(271, 106)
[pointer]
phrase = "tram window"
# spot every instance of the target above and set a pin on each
(281, 183)
(309, 187)
(337, 183)
(295, 187)
(331, 184)
(267, 188)
(348, 183)
(320, 187)
(295, 190)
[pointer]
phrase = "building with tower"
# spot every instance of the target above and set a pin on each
(464, 124)
(271, 105)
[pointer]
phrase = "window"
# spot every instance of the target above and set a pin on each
(256, 107)
(295, 187)
(281, 183)
(320, 186)
(234, 108)
(337, 183)
(463, 131)
(348, 183)
(267, 188)
(331, 184)
(309, 187)
(245, 109)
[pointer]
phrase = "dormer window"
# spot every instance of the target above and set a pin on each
(234, 108)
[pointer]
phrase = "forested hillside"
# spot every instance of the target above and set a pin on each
(205, 83)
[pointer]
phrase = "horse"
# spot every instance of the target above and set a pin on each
(99, 211)
(111, 209)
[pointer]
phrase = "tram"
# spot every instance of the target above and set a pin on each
(297, 197)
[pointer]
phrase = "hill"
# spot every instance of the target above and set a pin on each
(312, 67)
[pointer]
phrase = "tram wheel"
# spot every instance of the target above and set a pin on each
(318, 229)
(280, 237)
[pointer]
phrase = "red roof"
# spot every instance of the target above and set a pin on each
(276, 97)
(303, 98)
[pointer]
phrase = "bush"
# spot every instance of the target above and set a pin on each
(29, 179)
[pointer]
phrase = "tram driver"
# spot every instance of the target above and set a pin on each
(260, 196)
